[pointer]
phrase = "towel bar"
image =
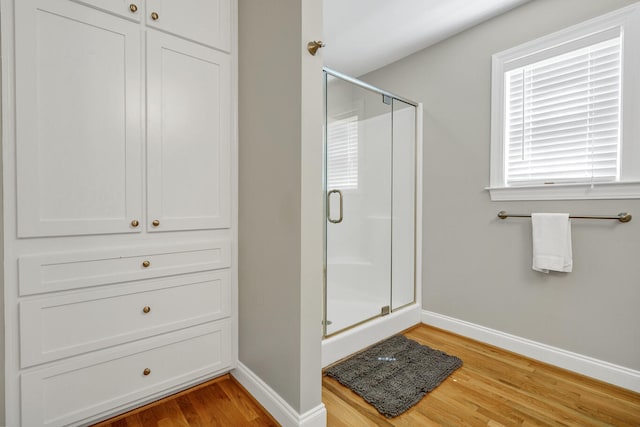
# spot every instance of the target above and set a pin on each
(622, 217)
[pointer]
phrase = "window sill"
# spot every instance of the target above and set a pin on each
(612, 190)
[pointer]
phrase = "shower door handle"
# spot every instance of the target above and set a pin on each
(334, 221)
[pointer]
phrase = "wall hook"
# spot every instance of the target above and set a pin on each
(313, 46)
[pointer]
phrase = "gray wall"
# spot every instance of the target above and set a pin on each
(280, 198)
(478, 268)
(2, 325)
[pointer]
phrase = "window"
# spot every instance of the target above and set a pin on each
(342, 153)
(563, 117)
(564, 113)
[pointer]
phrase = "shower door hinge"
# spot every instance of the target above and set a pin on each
(385, 310)
(386, 99)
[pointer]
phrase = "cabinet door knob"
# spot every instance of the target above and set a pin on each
(146, 371)
(154, 16)
(155, 223)
(146, 263)
(135, 223)
(133, 8)
(146, 309)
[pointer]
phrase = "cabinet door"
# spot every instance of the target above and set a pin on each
(78, 120)
(130, 9)
(188, 135)
(204, 21)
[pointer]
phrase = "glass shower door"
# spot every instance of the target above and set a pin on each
(403, 223)
(359, 204)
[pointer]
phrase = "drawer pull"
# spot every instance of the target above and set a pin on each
(146, 371)
(135, 223)
(146, 263)
(154, 16)
(133, 8)
(146, 309)
(155, 223)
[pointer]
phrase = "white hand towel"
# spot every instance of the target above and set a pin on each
(551, 242)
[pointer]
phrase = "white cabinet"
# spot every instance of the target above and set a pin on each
(50, 329)
(119, 218)
(188, 142)
(204, 21)
(68, 270)
(78, 116)
(61, 395)
(80, 85)
(130, 9)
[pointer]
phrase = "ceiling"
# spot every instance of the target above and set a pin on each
(364, 35)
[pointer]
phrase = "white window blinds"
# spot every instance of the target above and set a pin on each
(563, 117)
(342, 153)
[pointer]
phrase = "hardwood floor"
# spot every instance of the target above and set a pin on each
(221, 402)
(493, 388)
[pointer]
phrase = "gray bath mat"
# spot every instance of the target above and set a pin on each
(394, 374)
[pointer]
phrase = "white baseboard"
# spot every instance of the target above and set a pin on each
(585, 365)
(275, 404)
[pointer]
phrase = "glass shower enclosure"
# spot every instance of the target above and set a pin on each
(370, 185)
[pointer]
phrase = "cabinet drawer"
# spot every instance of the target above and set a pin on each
(71, 270)
(95, 386)
(56, 327)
